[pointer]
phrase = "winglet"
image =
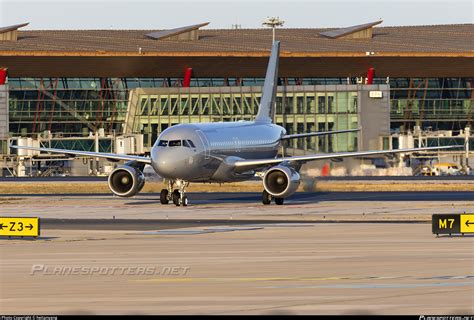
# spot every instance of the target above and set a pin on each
(266, 110)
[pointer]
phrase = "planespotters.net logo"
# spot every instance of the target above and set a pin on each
(93, 270)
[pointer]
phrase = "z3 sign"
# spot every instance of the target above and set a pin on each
(19, 227)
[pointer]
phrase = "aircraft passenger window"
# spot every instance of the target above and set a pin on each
(162, 143)
(191, 144)
(174, 143)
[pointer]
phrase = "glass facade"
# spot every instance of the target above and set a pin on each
(75, 106)
(437, 104)
(298, 109)
(70, 107)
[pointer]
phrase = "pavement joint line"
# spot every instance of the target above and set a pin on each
(61, 221)
(258, 279)
(375, 285)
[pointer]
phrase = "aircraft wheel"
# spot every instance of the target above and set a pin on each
(184, 201)
(279, 201)
(266, 197)
(176, 197)
(164, 196)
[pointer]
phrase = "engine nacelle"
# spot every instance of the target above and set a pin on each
(126, 181)
(281, 181)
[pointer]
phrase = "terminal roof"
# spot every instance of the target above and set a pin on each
(13, 27)
(10, 33)
(182, 33)
(435, 39)
(362, 31)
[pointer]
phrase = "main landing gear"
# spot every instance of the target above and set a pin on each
(178, 196)
(267, 198)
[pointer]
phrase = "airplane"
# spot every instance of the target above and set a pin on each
(222, 152)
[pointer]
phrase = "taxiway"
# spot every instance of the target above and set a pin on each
(325, 253)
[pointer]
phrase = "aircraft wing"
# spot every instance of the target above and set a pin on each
(310, 134)
(258, 163)
(110, 156)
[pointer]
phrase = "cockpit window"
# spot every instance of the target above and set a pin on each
(174, 143)
(188, 144)
(191, 144)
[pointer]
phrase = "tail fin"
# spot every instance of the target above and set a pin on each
(266, 110)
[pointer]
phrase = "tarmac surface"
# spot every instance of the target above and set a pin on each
(323, 253)
(303, 206)
(328, 178)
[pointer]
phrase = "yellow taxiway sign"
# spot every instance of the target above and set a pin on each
(19, 227)
(467, 223)
(453, 223)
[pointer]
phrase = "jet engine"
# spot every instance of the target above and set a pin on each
(281, 181)
(126, 181)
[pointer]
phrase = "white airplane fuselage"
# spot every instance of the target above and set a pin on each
(200, 152)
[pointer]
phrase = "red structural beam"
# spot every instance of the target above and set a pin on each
(3, 75)
(370, 76)
(187, 77)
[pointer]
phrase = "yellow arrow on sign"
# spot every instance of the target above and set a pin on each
(19, 227)
(467, 223)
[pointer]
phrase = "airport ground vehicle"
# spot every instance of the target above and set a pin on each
(439, 169)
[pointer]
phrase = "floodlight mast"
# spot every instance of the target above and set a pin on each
(273, 22)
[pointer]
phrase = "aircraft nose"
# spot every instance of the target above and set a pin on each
(171, 163)
(162, 162)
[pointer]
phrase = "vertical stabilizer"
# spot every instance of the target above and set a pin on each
(266, 109)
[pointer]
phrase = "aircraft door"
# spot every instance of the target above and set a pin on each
(205, 143)
(236, 144)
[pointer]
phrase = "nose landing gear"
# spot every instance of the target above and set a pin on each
(178, 196)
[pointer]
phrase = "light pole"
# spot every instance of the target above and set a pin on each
(273, 23)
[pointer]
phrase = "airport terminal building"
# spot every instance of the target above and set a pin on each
(391, 81)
